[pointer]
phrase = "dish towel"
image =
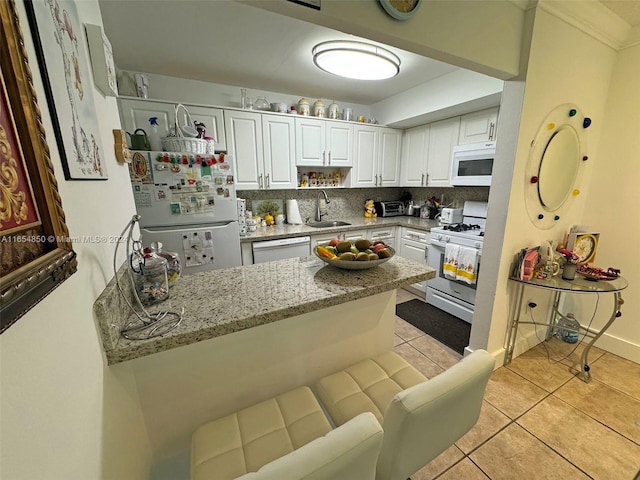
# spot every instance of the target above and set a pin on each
(450, 264)
(467, 265)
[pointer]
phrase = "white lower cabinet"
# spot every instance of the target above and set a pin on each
(414, 245)
(350, 235)
(386, 235)
(354, 235)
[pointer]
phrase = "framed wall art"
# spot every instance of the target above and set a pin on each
(61, 50)
(35, 252)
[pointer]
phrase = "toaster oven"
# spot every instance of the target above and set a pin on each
(389, 209)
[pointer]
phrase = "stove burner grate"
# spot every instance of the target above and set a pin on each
(461, 227)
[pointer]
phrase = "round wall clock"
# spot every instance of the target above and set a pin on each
(585, 247)
(400, 9)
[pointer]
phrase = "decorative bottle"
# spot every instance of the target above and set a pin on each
(154, 135)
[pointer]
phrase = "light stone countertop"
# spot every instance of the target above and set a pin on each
(288, 231)
(220, 302)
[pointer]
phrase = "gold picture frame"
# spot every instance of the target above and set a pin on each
(36, 254)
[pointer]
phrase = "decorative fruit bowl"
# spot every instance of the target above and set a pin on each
(352, 257)
(597, 273)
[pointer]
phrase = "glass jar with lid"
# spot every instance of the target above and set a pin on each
(152, 283)
(173, 261)
(261, 103)
(334, 111)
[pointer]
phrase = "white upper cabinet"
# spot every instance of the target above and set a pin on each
(278, 138)
(339, 144)
(365, 156)
(263, 149)
(136, 113)
(244, 143)
(213, 119)
(323, 143)
(414, 157)
(389, 157)
(478, 127)
(443, 136)
(376, 156)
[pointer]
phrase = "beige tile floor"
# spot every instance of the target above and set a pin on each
(538, 420)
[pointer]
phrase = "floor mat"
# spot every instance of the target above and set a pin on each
(436, 323)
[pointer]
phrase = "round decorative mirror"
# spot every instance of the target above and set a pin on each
(555, 164)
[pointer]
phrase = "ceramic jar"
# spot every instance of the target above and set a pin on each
(303, 107)
(319, 109)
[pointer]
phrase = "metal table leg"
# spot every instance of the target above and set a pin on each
(585, 374)
(514, 319)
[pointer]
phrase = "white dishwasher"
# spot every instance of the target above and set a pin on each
(282, 248)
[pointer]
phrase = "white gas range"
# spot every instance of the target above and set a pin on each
(454, 296)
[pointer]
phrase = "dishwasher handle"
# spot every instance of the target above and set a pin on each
(281, 242)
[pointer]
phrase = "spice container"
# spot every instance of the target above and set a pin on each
(152, 283)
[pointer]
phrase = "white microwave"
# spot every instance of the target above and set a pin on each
(471, 165)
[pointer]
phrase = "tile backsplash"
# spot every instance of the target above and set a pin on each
(349, 202)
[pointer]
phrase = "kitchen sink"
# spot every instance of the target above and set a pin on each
(328, 224)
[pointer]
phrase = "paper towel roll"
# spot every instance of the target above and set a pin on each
(293, 213)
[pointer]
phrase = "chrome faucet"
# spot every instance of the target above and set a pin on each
(318, 212)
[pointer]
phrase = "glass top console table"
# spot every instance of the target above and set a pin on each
(557, 286)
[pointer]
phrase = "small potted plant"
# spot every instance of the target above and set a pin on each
(571, 263)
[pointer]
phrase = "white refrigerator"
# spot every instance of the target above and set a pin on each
(188, 203)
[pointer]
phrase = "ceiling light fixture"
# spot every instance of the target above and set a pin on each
(357, 60)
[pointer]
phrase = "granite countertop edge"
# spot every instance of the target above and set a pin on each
(122, 351)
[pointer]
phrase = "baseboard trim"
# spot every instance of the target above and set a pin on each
(617, 346)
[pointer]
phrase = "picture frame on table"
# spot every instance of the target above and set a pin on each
(62, 54)
(36, 251)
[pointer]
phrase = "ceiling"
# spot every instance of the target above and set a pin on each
(234, 44)
(231, 43)
(627, 10)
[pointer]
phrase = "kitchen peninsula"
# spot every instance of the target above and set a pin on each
(225, 301)
(249, 333)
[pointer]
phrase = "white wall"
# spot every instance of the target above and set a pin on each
(64, 414)
(456, 93)
(612, 205)
(483, 36)
(163, 87)
(567, 65)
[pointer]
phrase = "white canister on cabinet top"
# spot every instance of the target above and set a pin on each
(334, 111)
(319, 109)
(303, 107)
